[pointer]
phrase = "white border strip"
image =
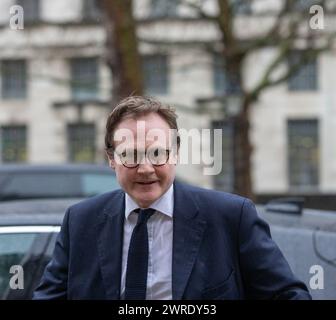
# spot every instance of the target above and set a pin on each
(29, 229)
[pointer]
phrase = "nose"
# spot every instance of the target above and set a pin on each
(146, 167)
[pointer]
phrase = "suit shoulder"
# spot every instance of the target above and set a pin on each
(217, 197)
(216, 205)
(95, 204)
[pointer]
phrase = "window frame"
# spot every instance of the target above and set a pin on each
(33, 9)
(71, 148)
(81, 90)
(18, 151)
(91, 11)
(14, 71)
(163, 8)
(153, 78)
(298, 82)
(299, 187)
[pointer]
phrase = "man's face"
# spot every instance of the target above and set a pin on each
(145, 183)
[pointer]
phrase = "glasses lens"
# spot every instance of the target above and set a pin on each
(157, 156)
(129, 158)
(132, 158)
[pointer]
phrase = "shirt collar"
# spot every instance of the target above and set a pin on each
(165, 204)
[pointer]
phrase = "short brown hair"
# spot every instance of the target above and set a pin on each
(134, 107)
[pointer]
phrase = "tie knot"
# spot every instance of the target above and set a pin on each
(144, 215)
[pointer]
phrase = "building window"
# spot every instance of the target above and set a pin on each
(163, 8)
(81, 139)
(14, 79)
(223, 82)
(303, 153)
(225, 179)
(155, 72)
(84, 79)
(13, 143)
(31, 10)
(241, 6)
(91, 10)
(306, 76)
(300, 5)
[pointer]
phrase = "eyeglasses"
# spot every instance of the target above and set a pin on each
(132, 158)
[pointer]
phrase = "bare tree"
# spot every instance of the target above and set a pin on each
(123, 54)
(289, 26)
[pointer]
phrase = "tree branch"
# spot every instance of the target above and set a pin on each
(307, 55)
(197, 8)
(273, 36)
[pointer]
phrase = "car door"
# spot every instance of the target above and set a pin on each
(27, 250)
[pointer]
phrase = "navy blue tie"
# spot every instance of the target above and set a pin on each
(137, 260)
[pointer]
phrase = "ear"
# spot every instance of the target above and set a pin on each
(111, 161)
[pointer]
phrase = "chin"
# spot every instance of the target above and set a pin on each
(147, 201)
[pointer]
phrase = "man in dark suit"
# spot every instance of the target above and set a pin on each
(160, 239)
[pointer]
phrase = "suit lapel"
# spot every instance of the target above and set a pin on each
(110, 240)
(187, 236)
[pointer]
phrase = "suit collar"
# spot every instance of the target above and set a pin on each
(164, 204)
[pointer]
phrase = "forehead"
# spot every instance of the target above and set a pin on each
(151, 120)
(145, 129)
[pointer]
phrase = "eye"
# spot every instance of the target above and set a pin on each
(128, 154)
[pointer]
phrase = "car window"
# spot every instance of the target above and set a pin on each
(55, 185)
(14, 249)
(98, 183)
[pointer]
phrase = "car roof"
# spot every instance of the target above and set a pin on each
(54, 168)
(51, 212)
(35, 212)
(309, 219)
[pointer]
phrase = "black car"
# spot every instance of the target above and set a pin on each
(19, 181)
(28, 227)
(28, 231)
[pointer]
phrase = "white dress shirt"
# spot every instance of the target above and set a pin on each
(160, 245)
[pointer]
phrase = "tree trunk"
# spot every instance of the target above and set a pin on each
(122, 49)
(243, 151)
(242, 148)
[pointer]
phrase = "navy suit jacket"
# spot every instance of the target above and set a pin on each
(221, 250)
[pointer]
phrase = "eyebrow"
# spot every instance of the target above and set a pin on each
(149, 148)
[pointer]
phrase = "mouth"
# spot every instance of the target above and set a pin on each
(147, 183)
